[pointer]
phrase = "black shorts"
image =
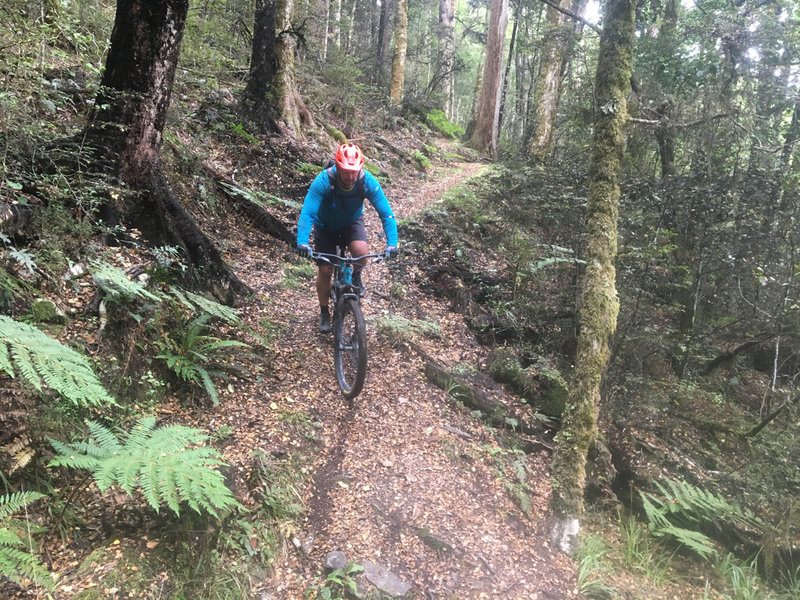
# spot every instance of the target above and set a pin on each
(327, 241)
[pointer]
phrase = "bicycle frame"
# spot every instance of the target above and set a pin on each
(343, 265)
(349, 333)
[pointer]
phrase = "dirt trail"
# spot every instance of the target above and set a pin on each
(403, 479)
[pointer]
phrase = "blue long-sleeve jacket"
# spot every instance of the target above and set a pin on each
(336, 211)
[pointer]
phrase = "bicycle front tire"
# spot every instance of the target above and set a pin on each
(350, 348)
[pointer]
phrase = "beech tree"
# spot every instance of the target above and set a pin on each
(444, 77)
(486, 134)
(599, 303)
(552, 66)
(258, 95)
(293, 110)
(400, 47)
(126, 128)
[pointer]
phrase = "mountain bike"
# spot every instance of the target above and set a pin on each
(349, 329)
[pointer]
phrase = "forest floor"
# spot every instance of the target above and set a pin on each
(391, 483)
(407, 483)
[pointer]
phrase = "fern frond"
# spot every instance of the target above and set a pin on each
(106, 440)
(15, 564)
(12, 503)
(683, 507)
(9, 538)
(5, 360)
(115, 283)
(39, 357)
(694, 540)
(208, 384)
(19, 566)
(210, 307)
(166, 463)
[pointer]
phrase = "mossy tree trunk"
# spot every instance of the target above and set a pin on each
(400, 48)
(599, 303)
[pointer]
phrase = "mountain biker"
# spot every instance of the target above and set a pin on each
(334, 209)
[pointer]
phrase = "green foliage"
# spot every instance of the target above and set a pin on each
(742, 580)
(591, 557)
(642, 553)
(196, 302)
(265, 199)
(338, 585)
(510, 466)
(423, 162)
(439, 121)
(241, 132)
(15, 563)
(683, 508)
(398, 329)
(168, 464)
(10, 288)
(195, 356)
(42, 360)
(119, 287)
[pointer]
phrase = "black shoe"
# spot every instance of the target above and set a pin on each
(359, 287)
(325, 322)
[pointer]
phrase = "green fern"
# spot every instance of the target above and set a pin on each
(15, 563)
(115, 283)
(195, 301)
(195, 356)
(682, 509)
(44, 361)
(168, 464)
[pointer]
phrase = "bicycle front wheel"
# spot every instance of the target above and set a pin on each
(350, 348)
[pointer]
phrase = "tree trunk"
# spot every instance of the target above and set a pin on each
(599, 303)
(263, 68)
(443, 78)
(127, 127)
(383, 40)
(547, 93)
(350, 28)
(326, 4)
(665, 136)
(486, 135)
(336, 32)
(291, 106)
(508, 64)
(400, 47)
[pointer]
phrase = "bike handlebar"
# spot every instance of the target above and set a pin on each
(335, 259)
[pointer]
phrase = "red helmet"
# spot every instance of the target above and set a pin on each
(349, 157)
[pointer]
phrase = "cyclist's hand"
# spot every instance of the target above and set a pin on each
(390, 252)
(304, 250)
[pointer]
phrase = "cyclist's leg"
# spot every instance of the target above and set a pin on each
(325, 242)
(357, 244)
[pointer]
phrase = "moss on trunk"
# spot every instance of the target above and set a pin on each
(599, 303)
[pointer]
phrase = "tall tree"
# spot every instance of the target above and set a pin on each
(486, 134)
(599, 303)
(400, 47)
(383, 39)
(293, 110)
(258, 102)
(553, 62)
(127, 126)
(443, 81)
